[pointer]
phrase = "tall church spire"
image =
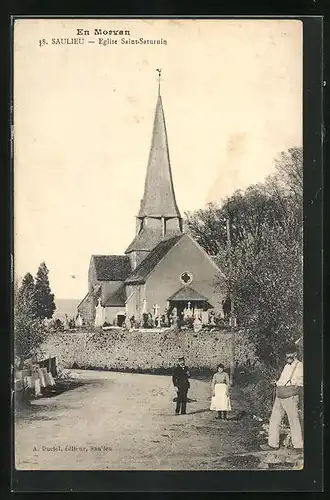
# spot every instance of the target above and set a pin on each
(159, 216)
(159, 197)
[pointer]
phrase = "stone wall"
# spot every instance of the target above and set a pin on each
(147, 350)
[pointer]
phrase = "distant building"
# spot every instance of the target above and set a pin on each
(163, 268)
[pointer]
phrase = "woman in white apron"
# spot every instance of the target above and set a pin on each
(220, 397)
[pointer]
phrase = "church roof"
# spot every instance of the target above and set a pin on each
(187, 293)
(83, 300)
(140, 274)
(117, 298)
(217, 260)
(146, 240)
(111, 267)
(159, 198)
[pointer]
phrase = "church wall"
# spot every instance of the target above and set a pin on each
(110, 313)
(132, 303)
(87, 310)
(132, 258)
(109, 287)
(91, 276)
(137, 257)
(138, 225)
(153, 223)
(172, 225)
(92, 279)
(87, 307)
(165, 278)
(135, 303)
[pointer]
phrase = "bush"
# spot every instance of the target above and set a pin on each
(256, 385)
(29, 331)
(56, 325)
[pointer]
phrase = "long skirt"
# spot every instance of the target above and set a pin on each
(220, 401)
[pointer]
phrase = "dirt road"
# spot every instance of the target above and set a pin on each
(126, 421)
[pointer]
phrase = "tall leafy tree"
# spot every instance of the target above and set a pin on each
(208, 227)
(265, 276)
(45, 304)
(29, 331)
(26, 292)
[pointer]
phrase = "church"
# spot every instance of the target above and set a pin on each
(163, 270)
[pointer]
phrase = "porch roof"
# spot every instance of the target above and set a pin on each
(188, 293)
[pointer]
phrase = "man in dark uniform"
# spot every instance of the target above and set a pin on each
(181, 383)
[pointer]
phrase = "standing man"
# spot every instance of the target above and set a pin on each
(286, 401)
(181, 383)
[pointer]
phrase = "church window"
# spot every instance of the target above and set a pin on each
(186, 278)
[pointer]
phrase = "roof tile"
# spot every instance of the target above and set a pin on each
(146, 240)
(117, 298)
(150, 262)
(159, 197)
(112, 267)
(187, 293)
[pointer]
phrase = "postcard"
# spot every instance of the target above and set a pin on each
(158, 244)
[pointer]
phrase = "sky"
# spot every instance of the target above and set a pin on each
(83, 114)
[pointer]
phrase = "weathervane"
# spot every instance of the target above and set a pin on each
(159, 79)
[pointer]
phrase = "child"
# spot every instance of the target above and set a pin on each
(220, 398)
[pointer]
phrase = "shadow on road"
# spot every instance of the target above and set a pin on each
(202, 410)
(32, 412)
(33, 409)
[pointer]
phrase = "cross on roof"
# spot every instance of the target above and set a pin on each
(159, 78)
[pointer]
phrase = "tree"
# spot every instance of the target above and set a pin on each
(45, 304)
(265, 276)
(267, 290)
(56, 325)
(26, 292)
(29, 331)
(208, 227)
